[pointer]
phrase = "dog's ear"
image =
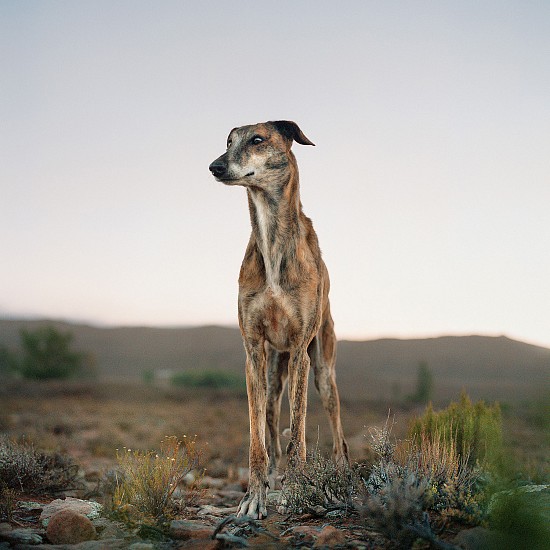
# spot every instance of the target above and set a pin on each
(291, 131)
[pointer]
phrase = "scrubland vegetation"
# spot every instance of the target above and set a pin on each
(419, 473)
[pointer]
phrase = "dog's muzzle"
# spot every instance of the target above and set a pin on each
(218, 169)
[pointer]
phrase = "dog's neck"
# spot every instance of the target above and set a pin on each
(276, 222)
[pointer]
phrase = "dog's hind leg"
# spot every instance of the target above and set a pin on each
(322, 352)
(277, 373)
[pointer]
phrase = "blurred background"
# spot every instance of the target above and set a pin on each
(428, 188)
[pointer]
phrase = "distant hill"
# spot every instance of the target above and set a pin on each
(487, 367)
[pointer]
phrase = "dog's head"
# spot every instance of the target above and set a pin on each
(258, 154)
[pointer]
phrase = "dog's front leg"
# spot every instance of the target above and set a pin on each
(254, 502)
(298, 370)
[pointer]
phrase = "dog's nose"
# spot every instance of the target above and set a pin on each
(218, 168)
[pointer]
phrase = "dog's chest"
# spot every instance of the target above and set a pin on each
(276, 314)
(268, 243)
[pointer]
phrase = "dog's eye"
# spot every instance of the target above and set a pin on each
(229, 144)
(256, 139)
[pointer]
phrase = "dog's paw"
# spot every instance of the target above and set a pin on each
(254, 503)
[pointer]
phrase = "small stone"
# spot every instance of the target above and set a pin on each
(107, 529)
(29, 506)
(87, 508)
(212, 483)
(209, 510)
(188, 529)
(69, 527)
(200, 544)
(306, 533)
(273, 497)
(329, 537)
(141, 546)
(22, 536)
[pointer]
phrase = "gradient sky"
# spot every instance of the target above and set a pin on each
(429, 186)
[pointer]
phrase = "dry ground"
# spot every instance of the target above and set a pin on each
(90, 420)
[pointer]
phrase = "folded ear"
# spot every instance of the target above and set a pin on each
(291, 131)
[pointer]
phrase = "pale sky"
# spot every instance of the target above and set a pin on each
(429, 185)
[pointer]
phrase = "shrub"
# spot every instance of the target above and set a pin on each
(521, 517)
(410, 479)
(435, 464)
(214, 379)
(147, 480)
(319, 482)
(424, 385)
(25, 469)
(8, 362)
(473, 430)
(47, 354)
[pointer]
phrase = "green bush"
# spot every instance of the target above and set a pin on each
(424, 385)
(47, 354)
(520, 516)
(213, 379)
(8, 362)
(474, 430)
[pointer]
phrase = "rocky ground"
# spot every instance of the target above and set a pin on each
(88, 422)
(74, 521)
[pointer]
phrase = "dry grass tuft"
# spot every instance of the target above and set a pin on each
(147, 480)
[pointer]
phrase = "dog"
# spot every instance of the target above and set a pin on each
(283, 305)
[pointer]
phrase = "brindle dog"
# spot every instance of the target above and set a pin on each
(284, 312)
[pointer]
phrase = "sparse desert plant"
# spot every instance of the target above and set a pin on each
(319, 482)
(396, 508)
(474, 430)
(413, 477)
(24, 468)
(146, 480)
(213, 379)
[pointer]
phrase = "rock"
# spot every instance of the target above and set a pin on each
(188, 529)
(306, 533)
(212, 483)
(69, 527)
(273, 497)
(87, 508)
(22, 536)
(198, 544)
(141, 546)
(329, 537)
(209, 510)
(107, 529)
(29, 506)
